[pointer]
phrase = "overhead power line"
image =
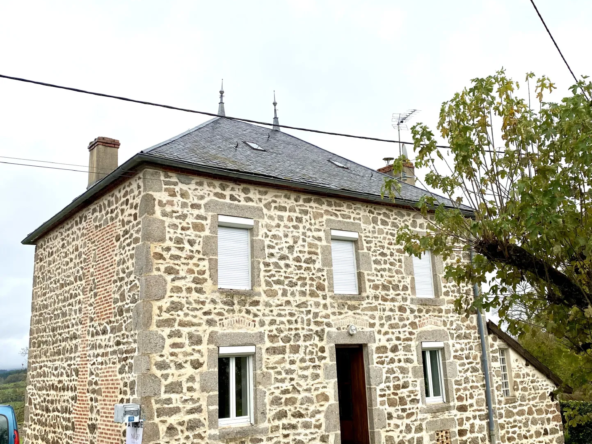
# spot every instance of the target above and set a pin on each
(42, 166)
(557, 46)
(187, 110)
(86, 171)
(44, 161)
(193, 111)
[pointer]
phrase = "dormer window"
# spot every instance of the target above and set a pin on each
(255, 146)
(339, 164)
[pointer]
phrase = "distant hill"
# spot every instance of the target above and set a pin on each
(12, 371)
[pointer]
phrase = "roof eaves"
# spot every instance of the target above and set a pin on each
(465, 209)
(143, 157)
(86, 197)
(493, 328)
(322, 189)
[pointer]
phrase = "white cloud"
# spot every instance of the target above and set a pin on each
(10, 356)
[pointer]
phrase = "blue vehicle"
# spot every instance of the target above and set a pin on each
(8, 428)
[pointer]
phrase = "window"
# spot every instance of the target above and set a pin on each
(234, 252)
(4, 432)
(422, 270)
(339, 164)
(255, 146)
(432, 372)
(503, 356)
(345, 270)
(235, 385)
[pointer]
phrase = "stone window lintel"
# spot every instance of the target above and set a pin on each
(214, 208)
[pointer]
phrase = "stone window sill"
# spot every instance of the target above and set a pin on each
(436, 408)
(510, 399)
(428, 301)
(349, 297)
(241, 431)
(233, 292)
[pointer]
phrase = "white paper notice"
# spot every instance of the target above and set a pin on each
(133, 435)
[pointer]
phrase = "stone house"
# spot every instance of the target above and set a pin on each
(244, 286)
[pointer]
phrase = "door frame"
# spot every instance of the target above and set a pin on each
(356, 364)
(373, 375)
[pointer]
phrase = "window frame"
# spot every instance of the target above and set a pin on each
(232, 353)
(504, 358)
(439, 347)
(431, 275)
(237, 223)
(351, 237)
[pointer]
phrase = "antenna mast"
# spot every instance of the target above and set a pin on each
(399, 122)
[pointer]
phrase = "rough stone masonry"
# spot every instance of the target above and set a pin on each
(126, 308)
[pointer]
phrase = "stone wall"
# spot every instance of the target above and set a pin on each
(293, 318)
(81, 337)
(126, 308)
(528, 415)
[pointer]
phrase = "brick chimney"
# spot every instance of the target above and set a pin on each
(408, 174)
(102, 158)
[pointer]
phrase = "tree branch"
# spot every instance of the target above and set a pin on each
(569, 294)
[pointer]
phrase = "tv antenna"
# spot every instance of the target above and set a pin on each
(399, 121)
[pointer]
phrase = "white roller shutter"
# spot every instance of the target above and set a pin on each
(234, 258)
(422, 269)
(345, 276)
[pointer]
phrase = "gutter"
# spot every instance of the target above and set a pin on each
(131, 165)
(485, 364)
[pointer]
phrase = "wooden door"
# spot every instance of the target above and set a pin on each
(351, 385)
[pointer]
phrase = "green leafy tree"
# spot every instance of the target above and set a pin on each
(570, 367)
(527, 174)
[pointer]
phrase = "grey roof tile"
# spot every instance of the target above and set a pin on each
(217, 146)
(220, 143)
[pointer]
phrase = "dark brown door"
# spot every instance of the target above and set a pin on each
(351, 385)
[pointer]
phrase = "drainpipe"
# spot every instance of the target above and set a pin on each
(485, 364)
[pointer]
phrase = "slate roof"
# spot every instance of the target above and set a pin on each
(218, 147)
(220, 143)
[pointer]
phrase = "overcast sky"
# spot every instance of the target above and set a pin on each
(339, 65)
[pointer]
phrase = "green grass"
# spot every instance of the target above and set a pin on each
(12, 391)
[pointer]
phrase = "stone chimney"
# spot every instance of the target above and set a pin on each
(408, 174)
(102, 158)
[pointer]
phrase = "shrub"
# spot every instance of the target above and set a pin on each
(577, 420)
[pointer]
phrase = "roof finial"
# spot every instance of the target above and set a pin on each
(276, 122)
(221, 111)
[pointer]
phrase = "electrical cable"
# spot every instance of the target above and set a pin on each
(187, 110)
(142, 102)
(86, 171)
(44, 161)
(125, 176)
(557, 46)
(42, 166)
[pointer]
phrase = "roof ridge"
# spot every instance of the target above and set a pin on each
(178, 136)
